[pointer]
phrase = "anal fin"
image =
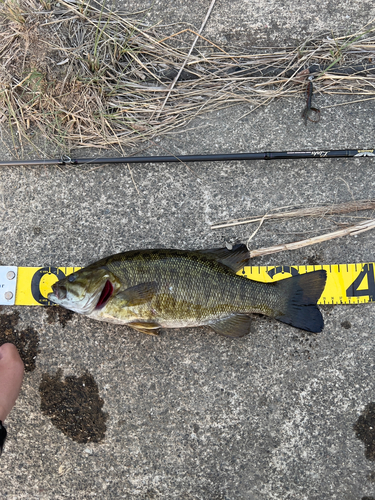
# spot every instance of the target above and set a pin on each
(237, 325)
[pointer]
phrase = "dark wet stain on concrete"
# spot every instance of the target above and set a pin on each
(367, 498)
(314, 259)
(346, 325)
(305, 343)
(57, 313)
(74, 406)
(365, 430)
(26, 341)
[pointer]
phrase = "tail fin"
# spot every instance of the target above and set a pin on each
(302, 293)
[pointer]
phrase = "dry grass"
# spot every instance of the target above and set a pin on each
(315, 211)
(84, 76)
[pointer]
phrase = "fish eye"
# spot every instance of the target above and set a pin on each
(72, 278)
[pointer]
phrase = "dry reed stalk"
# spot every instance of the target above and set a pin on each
(321, 211)
(85, 76)
(349, 231)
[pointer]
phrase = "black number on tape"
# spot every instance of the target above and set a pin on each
(282, 269)
(352, 291)
(35, 283)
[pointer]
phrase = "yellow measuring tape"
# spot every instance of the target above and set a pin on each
(346, 283)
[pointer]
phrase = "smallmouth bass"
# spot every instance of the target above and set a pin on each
(152, 289)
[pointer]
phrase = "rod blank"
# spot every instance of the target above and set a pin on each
(281, 155)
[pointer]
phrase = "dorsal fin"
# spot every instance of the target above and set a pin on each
(235, 259)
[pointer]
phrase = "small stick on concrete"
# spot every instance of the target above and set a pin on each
(349, 231)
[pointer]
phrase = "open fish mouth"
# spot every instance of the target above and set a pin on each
(59, 291)
(105, 295)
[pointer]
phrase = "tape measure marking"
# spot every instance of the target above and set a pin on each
(34, 284)
(346, 283)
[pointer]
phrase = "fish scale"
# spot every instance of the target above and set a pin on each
(218, 291)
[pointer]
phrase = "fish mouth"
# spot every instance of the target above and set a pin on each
(59, 291)
(105, 295)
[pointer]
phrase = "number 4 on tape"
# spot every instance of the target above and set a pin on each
(346, 283)
(361, 288)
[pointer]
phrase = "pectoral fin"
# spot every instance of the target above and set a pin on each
(150, 327)
(138, 294)
(237, 325)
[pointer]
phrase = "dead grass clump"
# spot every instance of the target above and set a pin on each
(85, 76)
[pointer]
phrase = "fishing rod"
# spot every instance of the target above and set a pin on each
(281, 155)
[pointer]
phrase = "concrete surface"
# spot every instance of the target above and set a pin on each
(192, 415)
